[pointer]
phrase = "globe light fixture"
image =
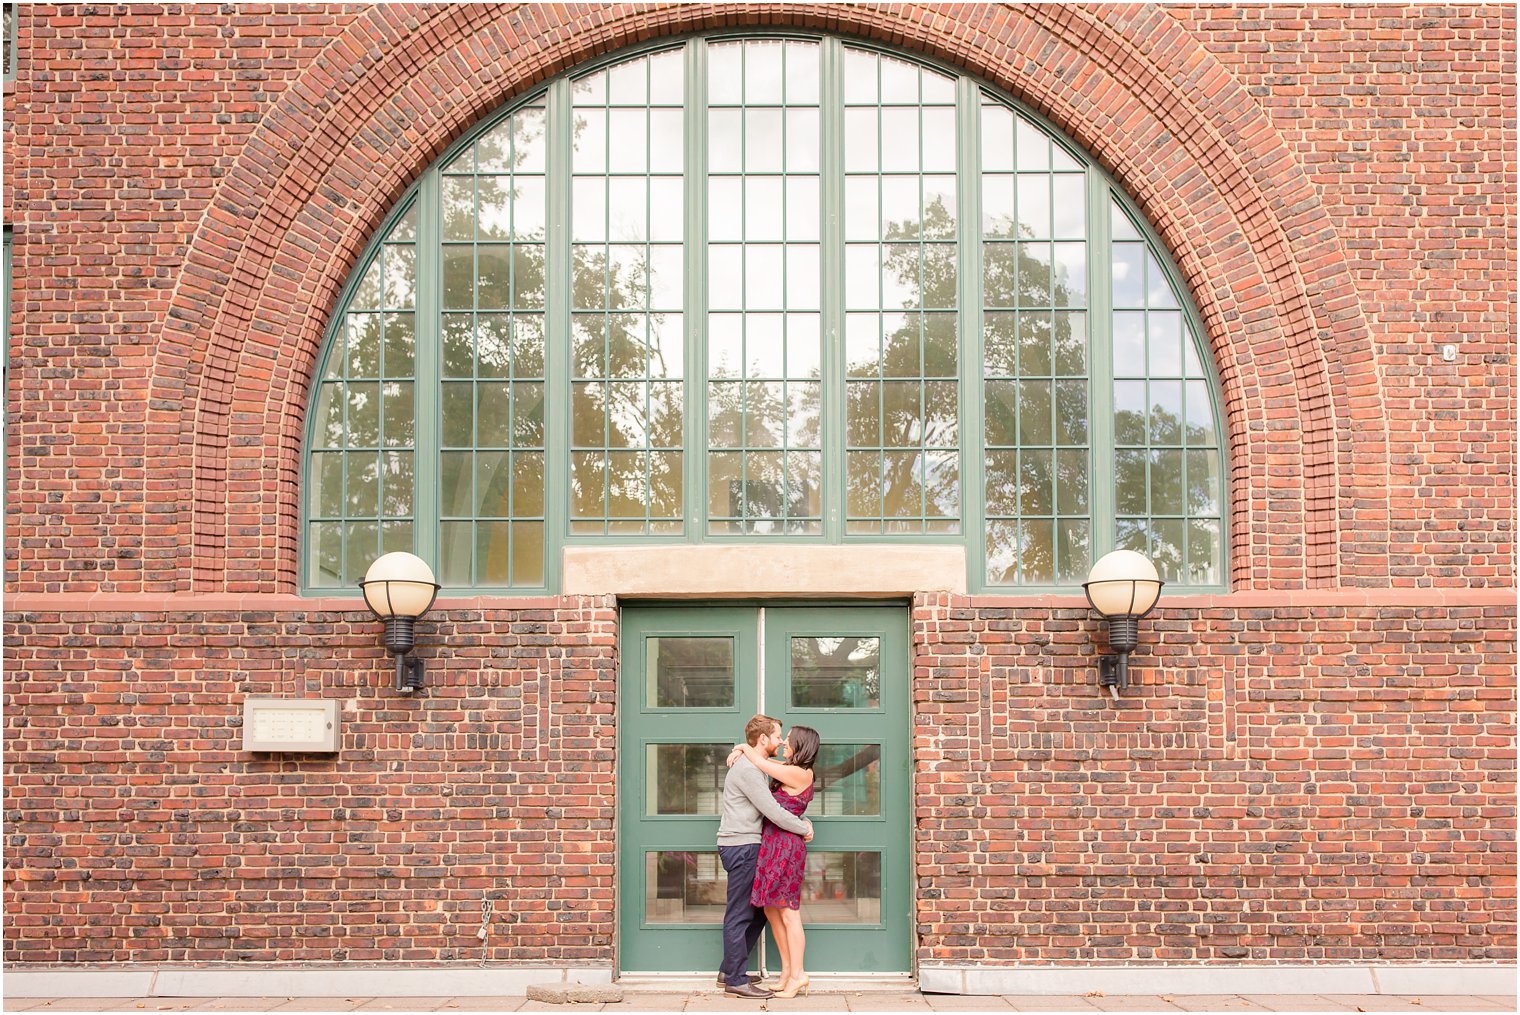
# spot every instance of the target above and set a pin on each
(398, 588)
(1122, 586)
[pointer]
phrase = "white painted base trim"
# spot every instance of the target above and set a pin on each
(298, 981)
(1326, 979)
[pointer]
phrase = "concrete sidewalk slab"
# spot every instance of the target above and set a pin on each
(1132, 1002)
(882, 1001)
(1296, 1002)
(1215, 1002)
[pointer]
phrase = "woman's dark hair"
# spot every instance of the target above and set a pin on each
(804, 747)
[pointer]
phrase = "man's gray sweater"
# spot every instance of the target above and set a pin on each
(746, 800)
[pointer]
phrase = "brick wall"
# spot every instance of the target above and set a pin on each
(1337, 187)
(138, 830)
(1280, 785)
(189, 188)
(1324, 784)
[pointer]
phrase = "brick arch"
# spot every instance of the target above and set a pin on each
(380, 103)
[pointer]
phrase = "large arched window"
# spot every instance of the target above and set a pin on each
(764, 288)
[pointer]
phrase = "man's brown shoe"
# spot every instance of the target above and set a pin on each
(749, 978)
(749, 990)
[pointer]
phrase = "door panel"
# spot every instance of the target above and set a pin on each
(691, 678)
(844, 671)
(689, 683)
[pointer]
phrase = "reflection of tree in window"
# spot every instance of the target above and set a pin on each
(689, 777)
(1041, 479)
(626, 299)
(849, 779)
(692, 672)
(691, 885)
(903, 396)
(490, 474)
(836, 672)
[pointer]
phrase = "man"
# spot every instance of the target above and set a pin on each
(747, 801)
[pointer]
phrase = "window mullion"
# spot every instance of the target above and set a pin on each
(557, 337)
(1100, 367)
(427, 400)
(971, 298)
(832, 421)
(695, 431)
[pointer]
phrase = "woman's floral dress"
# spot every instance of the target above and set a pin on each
(783, 854)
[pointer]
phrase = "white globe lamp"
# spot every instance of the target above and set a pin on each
(1122, 586)
(398, 588)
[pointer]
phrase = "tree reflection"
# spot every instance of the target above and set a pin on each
(1036, 498)
(836, 672)
(919, 342)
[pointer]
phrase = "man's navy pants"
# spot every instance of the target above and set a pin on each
(742, 923)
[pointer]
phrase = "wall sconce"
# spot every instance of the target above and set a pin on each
(399, 588)
(1123, 587)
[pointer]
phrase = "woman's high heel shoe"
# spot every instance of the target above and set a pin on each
(800, 985)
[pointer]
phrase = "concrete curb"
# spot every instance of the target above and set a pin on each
(559, 993)
(1382, 979)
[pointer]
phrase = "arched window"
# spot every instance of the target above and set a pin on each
(764, 288)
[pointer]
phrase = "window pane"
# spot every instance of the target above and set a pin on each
(1202, 482)
(527, 554)
(1035, 482)
(841, 888)
(327, 427)
(1129, 482)
(836, 672)
(685, 888)
(325, 482)
(685, 778)
(527, 484)
(847, 780)
(690, 672)
(1073, 555)
(1036, 551)
(1166, 479)
(361, 545)
(397, 484)
(1034, 413)
(492, 553)
(1203, 552)
(456, 483)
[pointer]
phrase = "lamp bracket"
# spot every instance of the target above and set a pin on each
(1113, 673)
(410, 672)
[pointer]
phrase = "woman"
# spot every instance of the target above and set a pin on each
(783, 854)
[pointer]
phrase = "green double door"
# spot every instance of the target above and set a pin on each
(691, 678)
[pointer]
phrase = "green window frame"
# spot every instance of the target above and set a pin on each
(764, 286)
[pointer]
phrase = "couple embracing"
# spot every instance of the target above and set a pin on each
(762, 842)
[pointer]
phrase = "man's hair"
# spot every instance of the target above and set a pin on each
(759, 726)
